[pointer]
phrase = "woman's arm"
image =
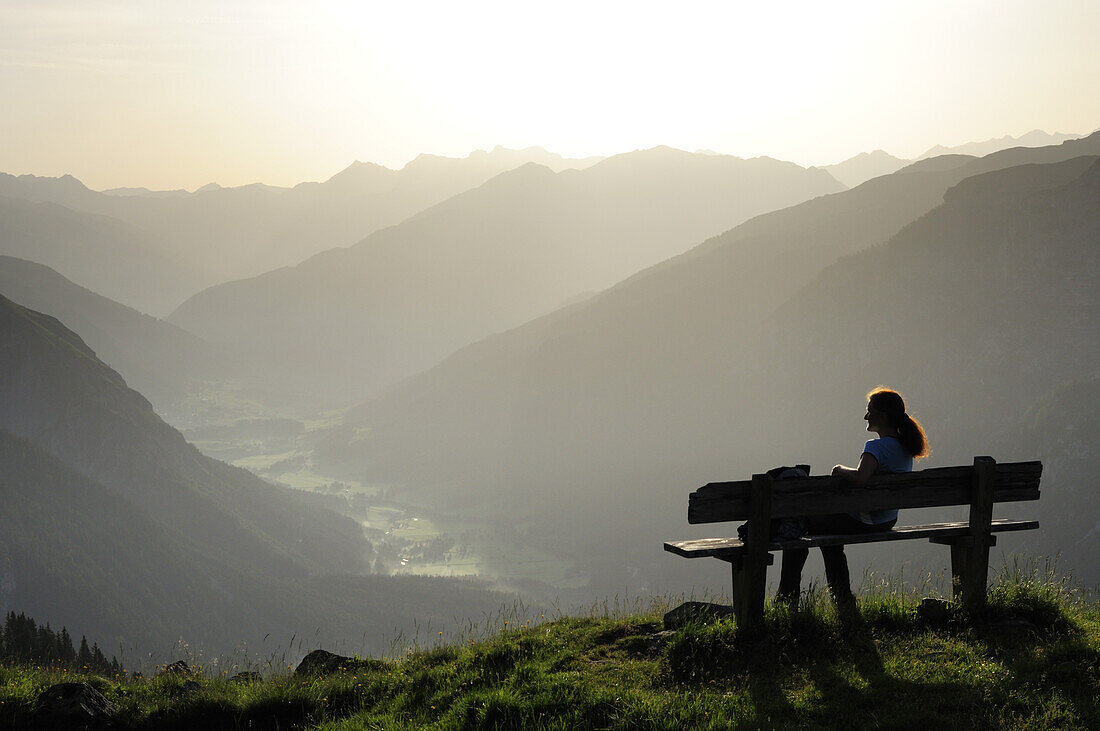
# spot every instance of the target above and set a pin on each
(859, 475)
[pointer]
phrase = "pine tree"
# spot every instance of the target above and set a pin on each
(83, 655)
(21, 638)
(67, 654)
(99, 663)
(22, 641)
(42, 649)
(5, 636)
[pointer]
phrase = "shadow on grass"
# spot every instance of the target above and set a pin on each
(809, 667)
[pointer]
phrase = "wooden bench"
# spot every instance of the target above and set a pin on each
(761, 499)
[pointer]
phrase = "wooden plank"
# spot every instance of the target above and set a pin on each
(965, 541)
(976, 574)
(750, 576)
(936, 487)
(725, 547)
(1007, 473)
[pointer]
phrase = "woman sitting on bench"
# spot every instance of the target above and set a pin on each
(900, 440)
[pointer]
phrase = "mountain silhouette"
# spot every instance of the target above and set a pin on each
(228, 233)
(864, 166)
(109, 517)
(350, 321)
(867, 165)
(109, 256)
(156, 358)
(1034, 138)
(756, 349)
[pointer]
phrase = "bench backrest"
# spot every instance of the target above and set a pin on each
(935, 487)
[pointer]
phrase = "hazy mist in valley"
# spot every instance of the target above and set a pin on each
(350, 322)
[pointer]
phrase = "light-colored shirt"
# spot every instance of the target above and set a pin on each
(890, 457)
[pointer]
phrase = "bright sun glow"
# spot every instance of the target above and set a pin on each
(177, 94)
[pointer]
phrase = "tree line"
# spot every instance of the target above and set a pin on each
(23, 642)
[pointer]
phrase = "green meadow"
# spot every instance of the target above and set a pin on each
(1031, 661)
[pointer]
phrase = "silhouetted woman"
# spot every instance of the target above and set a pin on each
(900, 440)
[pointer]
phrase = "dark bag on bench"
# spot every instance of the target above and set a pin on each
(782, 529)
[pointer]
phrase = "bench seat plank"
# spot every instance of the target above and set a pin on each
(823, 495)
(728, 547)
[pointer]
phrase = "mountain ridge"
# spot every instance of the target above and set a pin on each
(623, 383)
(155, 357)
(482, 261)
(151, 542)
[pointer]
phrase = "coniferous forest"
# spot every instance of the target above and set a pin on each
(23, 642)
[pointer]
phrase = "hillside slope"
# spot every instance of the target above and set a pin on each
(155, 357)
(864, 166)
(104, 254)
(229, 233)
(55, 393)
(595, 422)
(350, 321)
(112, 522)
(1031, 662)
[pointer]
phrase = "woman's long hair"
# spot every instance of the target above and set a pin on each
(910, 433)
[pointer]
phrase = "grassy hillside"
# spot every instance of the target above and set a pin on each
(1032, 661)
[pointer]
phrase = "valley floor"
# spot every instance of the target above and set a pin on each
(406, 538)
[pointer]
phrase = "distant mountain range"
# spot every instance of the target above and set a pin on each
(229, 233)
(111, 520)
(1034, 138)
(113, 258)
(350, 321)
(151, 249)
(867, 165)
(864, 166)
(756, 349)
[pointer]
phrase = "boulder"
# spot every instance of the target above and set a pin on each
(323, 662)
(936, 612)
(179, 667)
(246, 676)
(696, 612)
(76, 706)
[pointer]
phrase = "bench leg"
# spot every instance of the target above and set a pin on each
(976, 577)
(969, 569)
(750, 581)
(740, 582)
(959, 562)
(981, 517)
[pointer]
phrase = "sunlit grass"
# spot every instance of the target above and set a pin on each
(1033, 661)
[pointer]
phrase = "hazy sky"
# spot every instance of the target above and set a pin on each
(177, 94)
